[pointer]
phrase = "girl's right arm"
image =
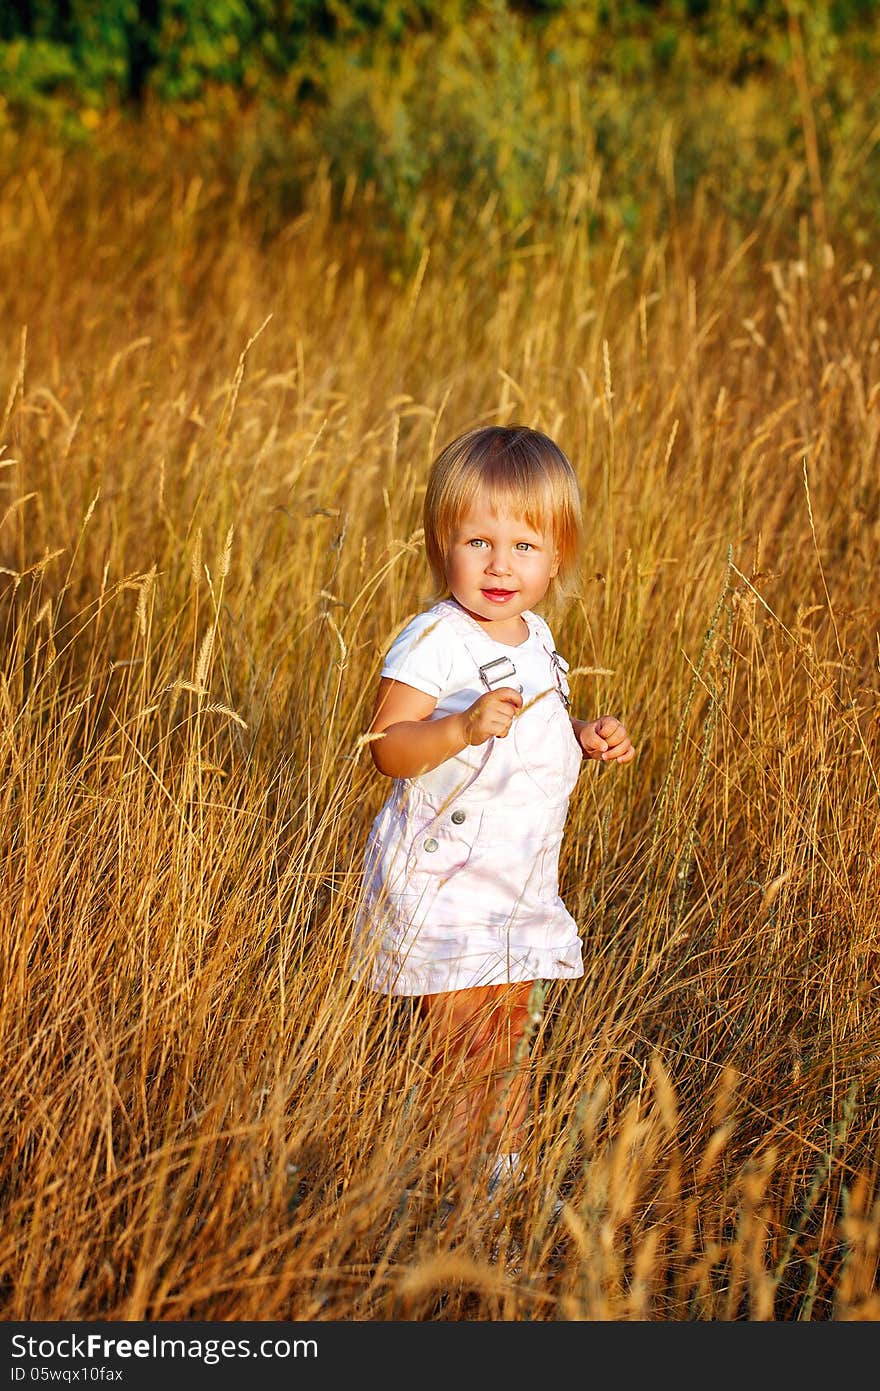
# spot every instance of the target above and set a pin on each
(413, 744)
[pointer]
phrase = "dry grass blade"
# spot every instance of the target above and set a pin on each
(205, 1117)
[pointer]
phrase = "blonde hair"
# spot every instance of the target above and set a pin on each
(521, 471)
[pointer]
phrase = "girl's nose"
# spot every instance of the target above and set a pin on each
(498, 565)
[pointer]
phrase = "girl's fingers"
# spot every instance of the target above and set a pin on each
(592, 739)
(620, 753)
(613, 732)
(510, 697)
(607, 725)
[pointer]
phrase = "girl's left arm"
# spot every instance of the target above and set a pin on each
(605, 739)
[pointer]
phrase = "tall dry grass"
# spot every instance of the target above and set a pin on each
(215, 445)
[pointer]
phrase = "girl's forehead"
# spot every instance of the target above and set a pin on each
(484, 511)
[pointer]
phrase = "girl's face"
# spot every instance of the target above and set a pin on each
(497, 565)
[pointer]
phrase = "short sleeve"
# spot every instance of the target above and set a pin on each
(420, 655)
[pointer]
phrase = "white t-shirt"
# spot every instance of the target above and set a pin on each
(423, 656)
(429, 654)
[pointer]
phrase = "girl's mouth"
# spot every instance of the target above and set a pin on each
(499, 596)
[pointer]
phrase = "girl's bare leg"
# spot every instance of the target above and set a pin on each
(475, 1039)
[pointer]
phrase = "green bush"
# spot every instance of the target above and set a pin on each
(525, 110)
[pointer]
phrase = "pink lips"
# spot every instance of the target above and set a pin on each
(499, 596)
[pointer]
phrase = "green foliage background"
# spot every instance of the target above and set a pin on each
(506, 103)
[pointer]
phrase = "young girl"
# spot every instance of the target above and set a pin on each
(461, 898)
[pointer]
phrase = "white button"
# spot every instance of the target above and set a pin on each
(430, 844)
(459, 816)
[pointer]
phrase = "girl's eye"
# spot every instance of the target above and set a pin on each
(526, 545)
(476, 541)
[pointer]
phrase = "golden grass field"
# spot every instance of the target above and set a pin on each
(214, 445)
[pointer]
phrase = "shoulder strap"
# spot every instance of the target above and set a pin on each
(543, 628)
(480, 648)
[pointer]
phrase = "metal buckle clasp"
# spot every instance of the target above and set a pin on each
(498, 673)
(559, 666)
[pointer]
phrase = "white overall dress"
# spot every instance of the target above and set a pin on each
(461, 882)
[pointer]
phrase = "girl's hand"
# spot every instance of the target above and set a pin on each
(491, 715)
(606, 739)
